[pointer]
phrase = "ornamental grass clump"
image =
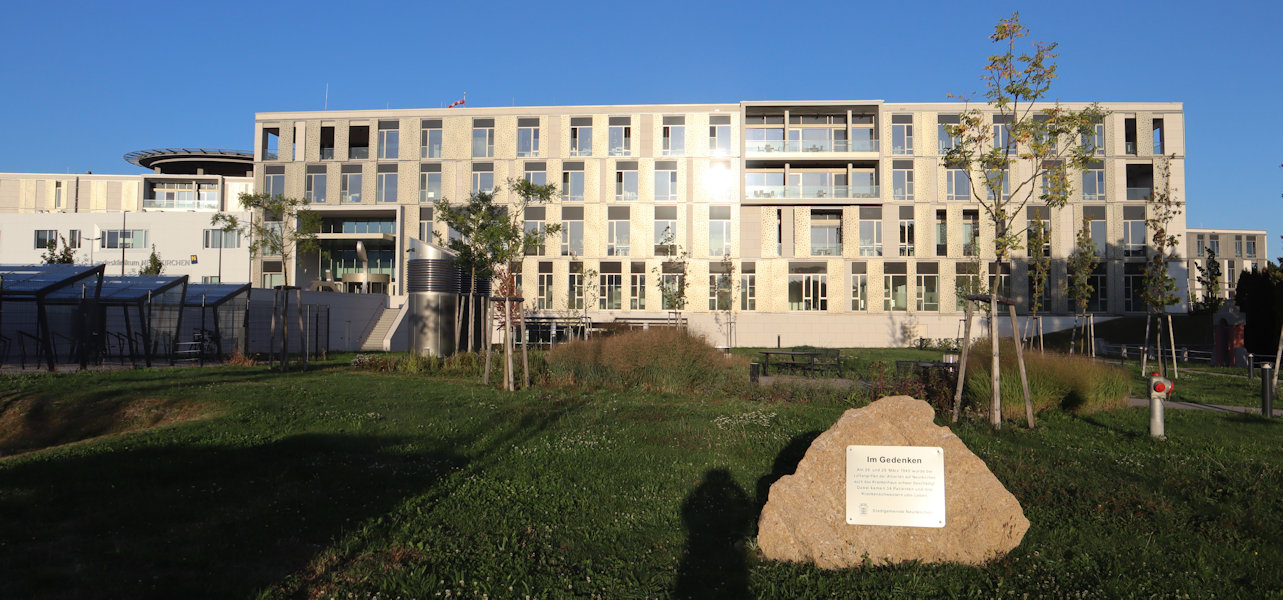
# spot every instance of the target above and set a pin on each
(1073, 383)
(658, 360)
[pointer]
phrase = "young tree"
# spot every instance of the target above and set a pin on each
(671, 278)
(226, 224)
(1209, 278)
(514, 235)
(154, 265)
(1039, 269)
(724, 292)
(475, 241)
(1158, 289)
(284, 227)
(1082, 262)
(54, 256)
(1016, 145)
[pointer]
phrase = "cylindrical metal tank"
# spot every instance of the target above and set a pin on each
(432, 283)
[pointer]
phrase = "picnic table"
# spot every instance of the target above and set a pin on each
(796, 358)
(904, 367)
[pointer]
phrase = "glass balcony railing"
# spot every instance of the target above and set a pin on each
(627, 196)
(358, 152)
(811, 191)
(1129, 147)
(826, 249)
(327, 153)
(1139, 193)
(270, 155)
(755, 147)
(205, 202)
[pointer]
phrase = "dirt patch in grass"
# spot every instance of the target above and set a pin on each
(30, 423)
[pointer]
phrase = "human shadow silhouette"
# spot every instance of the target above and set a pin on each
(718, 517)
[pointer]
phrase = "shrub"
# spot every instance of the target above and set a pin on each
(660, 360)
(1074, 383)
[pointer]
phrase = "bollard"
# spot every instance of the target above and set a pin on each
(1159, 388)
(754, 372)
(1267, 390)
(1251, 366)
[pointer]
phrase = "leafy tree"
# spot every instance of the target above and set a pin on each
(284, 226)
(54, 256)
(1209, 278)
(1015, 146)
(671, 277)
(1158, 289)
(1082, 262)
(154, 265)
(513, 237)
(475, 239)
(1039, 267)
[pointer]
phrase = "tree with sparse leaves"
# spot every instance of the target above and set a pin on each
(154, 265)
(1017, 149)
(1209, 278)
(671, 275)
(1158, 289)
(54, 256)
(1039, 268)
(1082, 263)
(283, 227)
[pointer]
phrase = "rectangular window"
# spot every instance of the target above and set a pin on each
(1095, 216)
(992, 179)
(271, 143)
(928, 292)
(902, 180)
(73, 239)
(217, 238)
(675, 282)
(1129, 135)
(389, 139)
(544, 299)
(581, 136)
(901, 134)
(1251, 246)
(1158, 136)
(621, 136)
(906, 237)
(626, 181)
(958, 186)
(895, 292)
(1133, 284)
(967, 281)
(617, 231)
(826, 233)
(870, 231)
(859, 287)
(426, 224)
(536, 173)
(430, 182)
(386, 188)
(748, 286)
(314, 185)
(482, 138)
(273, 181)
(1094, 184)
(350, 184)
(430, 138)
(942, 233)
(808, 290)
(719, 135)
(572, 231)
(1001, 136)
(1037, 219)
(1214, 244)
(572, 182)
(128, 238)
(1133, 231)
(1099, 301)
(482, 177)
(358, 146)
(665, 230)
(576, 286)
(637, 290)
(327, 142)
(527, 137)
(719, 291)
(612, 291)
(665, 181)
(1200, 245)
(1238, 246)
(946, 142)
(719, 231)
(45, 237)
(1095, 142)
(674, 135)
(970, 233)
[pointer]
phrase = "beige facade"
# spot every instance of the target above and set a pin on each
(1236, 250)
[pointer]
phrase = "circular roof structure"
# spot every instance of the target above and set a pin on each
(194, 161)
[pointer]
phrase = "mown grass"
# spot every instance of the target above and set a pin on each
(337, 481)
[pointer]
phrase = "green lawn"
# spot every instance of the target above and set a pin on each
(334, 481)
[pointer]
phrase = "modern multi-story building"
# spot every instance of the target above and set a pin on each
(1236, 250)
(118, 219)
(831, 223)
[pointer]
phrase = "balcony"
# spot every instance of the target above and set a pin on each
(1139, 193)
(760, 147)
(826, 249)
(205, 202)
(358, 152)
(811, 191)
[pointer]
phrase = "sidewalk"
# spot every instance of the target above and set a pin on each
(1171, 404)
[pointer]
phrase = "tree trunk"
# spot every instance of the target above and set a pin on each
(507, 347)
(1073, 335)
(1171, 338)
(962, 361)
(485, 377)
(458, 323)
(1278, 355)
(525, 358)
(1144, 349)
(1020, 360)
(995, 374)
(1040, 347)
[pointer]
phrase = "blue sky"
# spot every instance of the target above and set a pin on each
(83, 83)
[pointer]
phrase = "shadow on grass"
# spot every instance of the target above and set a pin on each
(197, 520)
(785, 464)
(718, 517)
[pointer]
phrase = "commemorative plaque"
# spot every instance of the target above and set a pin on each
(895, 485)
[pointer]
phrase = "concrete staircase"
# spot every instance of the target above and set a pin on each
(374, 341)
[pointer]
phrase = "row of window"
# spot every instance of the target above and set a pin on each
(1244, 245)
(619, 136)
(131, 238)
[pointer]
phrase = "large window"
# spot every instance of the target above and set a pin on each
(217, 238)
(942, 233)
(1095, 217)
(1036, 220)
(430, 182)
(544, 299)
(621, 136)
(1158, 136)
(581, 136)
(389, 139)
(965, 282)
(387, 183)
(1095, 142)
(626, 181)
(358, 142)
(895, 287)
(1094, 183)
(826, 233)
(970, 233)
(1133, 285)
(536, 173)
(572, 182)
(576, 286)
(274, 180)
(482, 177)
(719, 135)
(1134, 231)
(859, 287)
(720, 294)
(350, 184)
(533, 223)
(901, 134)
(611, 284)
(572, 231)
(928, 288)
(271, 143)
(482, 138)
(946, 142)
(430, 138)
(528, 136)
(45, 237)
(957, 185)
(808, 287)
(665, 181)
(902, 180)
(906, 246)
(314, 184)
(665, 230)
(719, 231)
(128, 238)
(870, 231)
(637, 288)
(617, 231)
(674, 136)
(748, 286)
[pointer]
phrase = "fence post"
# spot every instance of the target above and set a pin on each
(1251, 366)
(1267, 391)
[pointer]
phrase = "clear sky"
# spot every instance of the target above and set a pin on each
(83, 83)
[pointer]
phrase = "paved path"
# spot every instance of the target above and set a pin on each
(1171, 404)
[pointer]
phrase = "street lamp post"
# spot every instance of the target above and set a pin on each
(120, 239)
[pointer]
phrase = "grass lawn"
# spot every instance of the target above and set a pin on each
(336, 481)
